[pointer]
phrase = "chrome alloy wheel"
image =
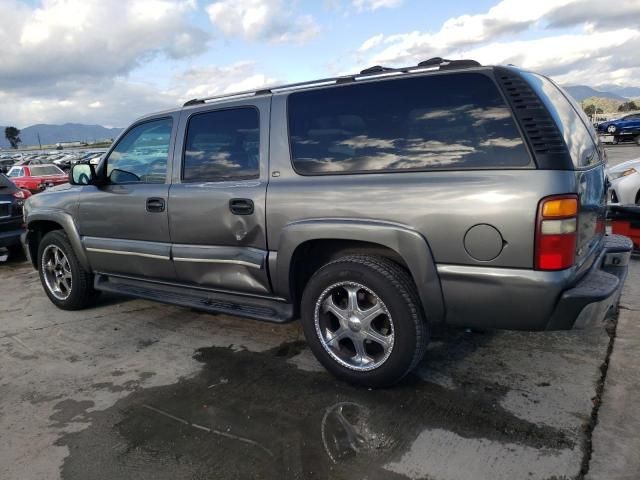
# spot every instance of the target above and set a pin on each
(354, 326)
(57, 272)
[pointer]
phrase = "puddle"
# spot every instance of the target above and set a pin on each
(255, 415)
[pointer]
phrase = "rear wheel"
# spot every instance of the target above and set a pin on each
(67, 284)
(363, 320)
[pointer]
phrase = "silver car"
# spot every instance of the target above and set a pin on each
(624, 180)
(371, 207)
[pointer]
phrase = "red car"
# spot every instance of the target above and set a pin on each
(36, 178)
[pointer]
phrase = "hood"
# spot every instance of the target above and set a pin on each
(621, 167)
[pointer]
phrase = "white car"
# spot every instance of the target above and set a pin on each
(624, 181)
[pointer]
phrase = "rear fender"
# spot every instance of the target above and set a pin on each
(409, 244)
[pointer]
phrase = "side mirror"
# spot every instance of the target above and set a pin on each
(82, 174)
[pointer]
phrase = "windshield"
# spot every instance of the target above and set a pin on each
(16, 172)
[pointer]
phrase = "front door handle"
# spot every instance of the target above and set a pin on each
(241, 206)
(155, 205)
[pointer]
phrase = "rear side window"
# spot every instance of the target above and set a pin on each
(222, 145)
(577, 131)
(454, 121)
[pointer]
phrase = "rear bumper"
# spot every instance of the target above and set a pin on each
(598, 291)
(522, 299)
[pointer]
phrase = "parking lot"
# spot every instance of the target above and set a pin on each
(135, 389)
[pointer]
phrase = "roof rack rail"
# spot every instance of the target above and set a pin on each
(446, 64)
(377, 70)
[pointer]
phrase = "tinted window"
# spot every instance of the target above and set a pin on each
(142, 154)
(222, 145)
(432, 122)
(576, 129)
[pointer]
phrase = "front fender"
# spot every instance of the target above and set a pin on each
(409, 244)
(65, 220)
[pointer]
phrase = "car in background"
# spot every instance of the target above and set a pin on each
(6, 164)
(624, 183)
(622, 129)
(36, 178)
(12, 200)
(64, 162)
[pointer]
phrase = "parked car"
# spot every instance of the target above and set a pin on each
(622, 129)
(372, 207)
(36, 178)
(6, 164)
(11, 223)
(624, 180)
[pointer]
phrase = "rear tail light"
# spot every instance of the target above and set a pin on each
(557, 226)
(19, 194)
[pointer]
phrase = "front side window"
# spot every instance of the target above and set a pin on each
(453, 121)
(222, 145)
(141, 155)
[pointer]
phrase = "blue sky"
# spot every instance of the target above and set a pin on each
(110, 61)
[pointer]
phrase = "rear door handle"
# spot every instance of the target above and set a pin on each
(241, 206)
(155, 205)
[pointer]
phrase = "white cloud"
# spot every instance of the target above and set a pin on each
(117, 102)
(270, 20)
(71, 39)
(600, 48)
(361, 5)
(197, 82)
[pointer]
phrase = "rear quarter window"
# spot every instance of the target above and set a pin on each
(453, 121)
(577, 131)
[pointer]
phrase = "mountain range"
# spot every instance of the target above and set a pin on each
(69, 132)
(78, 132)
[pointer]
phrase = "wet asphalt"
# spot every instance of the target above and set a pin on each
(134, 389)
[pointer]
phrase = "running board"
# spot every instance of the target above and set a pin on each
(215, 302)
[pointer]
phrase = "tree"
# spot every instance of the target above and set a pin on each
(628, 106)
(12, 134)
(590, 110)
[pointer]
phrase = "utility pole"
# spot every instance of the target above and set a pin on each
(39, 143)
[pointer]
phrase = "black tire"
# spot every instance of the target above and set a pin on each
(82, 294)
(395, 288)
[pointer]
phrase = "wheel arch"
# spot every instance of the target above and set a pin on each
(41, 223)
(322, 240)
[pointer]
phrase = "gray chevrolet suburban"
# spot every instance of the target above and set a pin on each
(370, 206)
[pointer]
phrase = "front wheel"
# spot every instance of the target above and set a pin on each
(67, 284)
(363, 320)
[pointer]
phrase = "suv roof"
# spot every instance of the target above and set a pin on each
(431, 65)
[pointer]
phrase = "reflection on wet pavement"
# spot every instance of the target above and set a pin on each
(256, 415)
